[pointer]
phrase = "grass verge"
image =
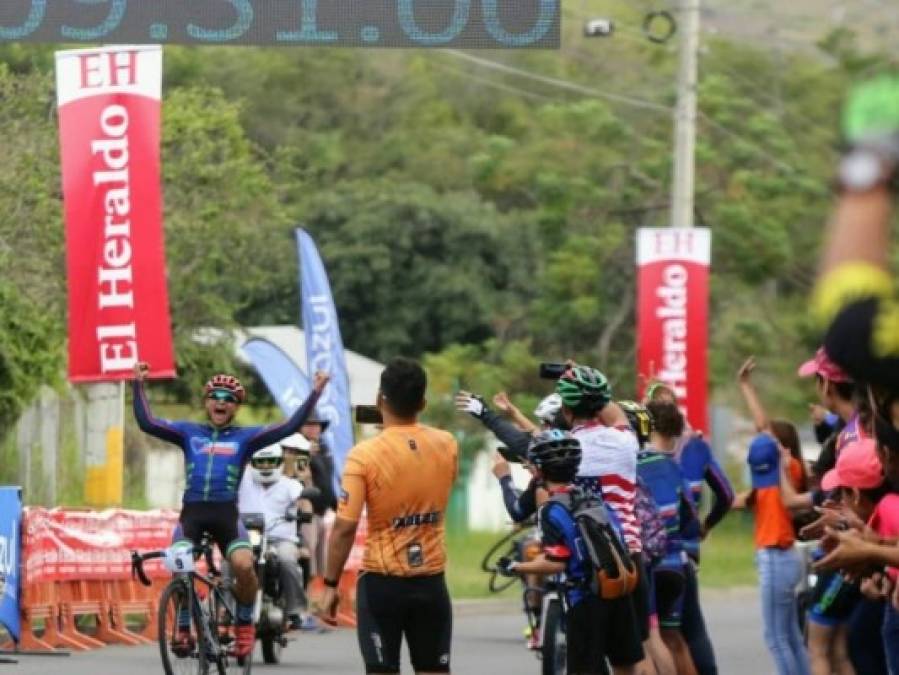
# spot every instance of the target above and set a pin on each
(727, 559)
(464, 575)
(728, 553)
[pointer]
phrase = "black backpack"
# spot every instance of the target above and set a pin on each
(613, 572)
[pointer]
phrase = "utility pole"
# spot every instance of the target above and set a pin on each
(683, 184)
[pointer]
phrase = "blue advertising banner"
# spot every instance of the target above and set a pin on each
(324, 348)
(287, 384)
(10, 545)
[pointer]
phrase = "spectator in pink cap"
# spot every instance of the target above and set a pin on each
(836, 393)
(870, 513)
(837, 632)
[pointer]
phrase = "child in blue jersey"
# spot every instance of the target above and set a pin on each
(215, 455)
(597, 628)
(671, 492)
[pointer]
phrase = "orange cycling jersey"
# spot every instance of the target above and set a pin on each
(403, 477)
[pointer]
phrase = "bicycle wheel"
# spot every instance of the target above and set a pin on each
(180, 632)
(488, 563)
(554, 649)
(222, 622)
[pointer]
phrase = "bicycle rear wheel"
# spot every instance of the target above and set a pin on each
(180, 632)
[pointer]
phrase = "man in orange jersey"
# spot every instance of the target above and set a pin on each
(403, 478)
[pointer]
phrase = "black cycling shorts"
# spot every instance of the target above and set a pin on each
(388, 608)
(600, 629)
(669, 584)
(641, 597)
(219, 519)
(833, 599)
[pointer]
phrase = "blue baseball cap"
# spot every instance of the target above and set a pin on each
(764, 461)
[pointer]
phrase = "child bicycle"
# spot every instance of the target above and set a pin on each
(196, 613)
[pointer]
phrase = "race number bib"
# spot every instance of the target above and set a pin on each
(179, 559)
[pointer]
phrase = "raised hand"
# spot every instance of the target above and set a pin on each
(745, 372)
(501, 467)
(320, 380)
(501, 401)
(470, 403)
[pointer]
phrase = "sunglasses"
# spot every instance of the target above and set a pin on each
(221, 395)
(302, 463)
(266, 462)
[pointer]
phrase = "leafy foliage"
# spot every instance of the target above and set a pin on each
(476, 214)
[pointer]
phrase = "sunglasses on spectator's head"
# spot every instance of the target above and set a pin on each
(222, 395)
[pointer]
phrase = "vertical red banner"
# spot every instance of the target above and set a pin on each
(672, 314)
(109, 130)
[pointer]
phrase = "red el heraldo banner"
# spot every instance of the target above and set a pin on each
(672, 314)
(109, 128)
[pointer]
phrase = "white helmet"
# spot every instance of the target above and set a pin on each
(548, 409)
(266, 464)
(296, 442)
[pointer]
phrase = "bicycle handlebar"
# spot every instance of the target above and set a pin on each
(137, 565)
(138, 559)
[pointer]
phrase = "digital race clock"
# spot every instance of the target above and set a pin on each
(471, 24)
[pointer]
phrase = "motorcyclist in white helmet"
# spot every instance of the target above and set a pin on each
(264, 489)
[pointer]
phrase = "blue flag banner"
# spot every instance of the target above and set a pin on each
(287, 384)
(324, 348)
(10, 545)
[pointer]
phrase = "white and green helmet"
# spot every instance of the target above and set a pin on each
(584, 389)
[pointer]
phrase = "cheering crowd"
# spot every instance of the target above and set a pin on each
(643, 463)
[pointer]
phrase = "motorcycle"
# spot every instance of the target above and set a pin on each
(270, 615)
(548, 623)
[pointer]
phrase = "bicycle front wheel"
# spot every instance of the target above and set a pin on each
(181, 632)
(223, 623)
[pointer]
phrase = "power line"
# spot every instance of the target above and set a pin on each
(494, 84)
(562, 84)
(618, 98)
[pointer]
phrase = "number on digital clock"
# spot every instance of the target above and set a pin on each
(406, 9)
(244, 11)
(110, 23)
(309, 31)
(545, 21)
(32, 21)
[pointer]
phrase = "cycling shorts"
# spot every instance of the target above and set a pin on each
(219, 519)
(668, 585)
(390, 607)
(642, 597)
(833, 599)
(618, 640)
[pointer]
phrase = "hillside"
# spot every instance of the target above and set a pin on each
(799, 24)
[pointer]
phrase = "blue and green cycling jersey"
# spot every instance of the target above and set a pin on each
(215, 458)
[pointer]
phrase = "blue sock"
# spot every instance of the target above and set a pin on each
(244, 614)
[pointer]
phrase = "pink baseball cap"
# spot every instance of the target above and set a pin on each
(857, 467)
(821, 365)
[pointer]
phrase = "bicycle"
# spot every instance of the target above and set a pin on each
(205, 601)
(549, 625)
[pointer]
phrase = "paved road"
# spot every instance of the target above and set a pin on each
(487, 639)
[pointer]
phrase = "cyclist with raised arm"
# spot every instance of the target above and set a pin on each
(608, 469)
(215, 455)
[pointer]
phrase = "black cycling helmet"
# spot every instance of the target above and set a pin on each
(639, 419)
(584, 390)
(556, 453)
